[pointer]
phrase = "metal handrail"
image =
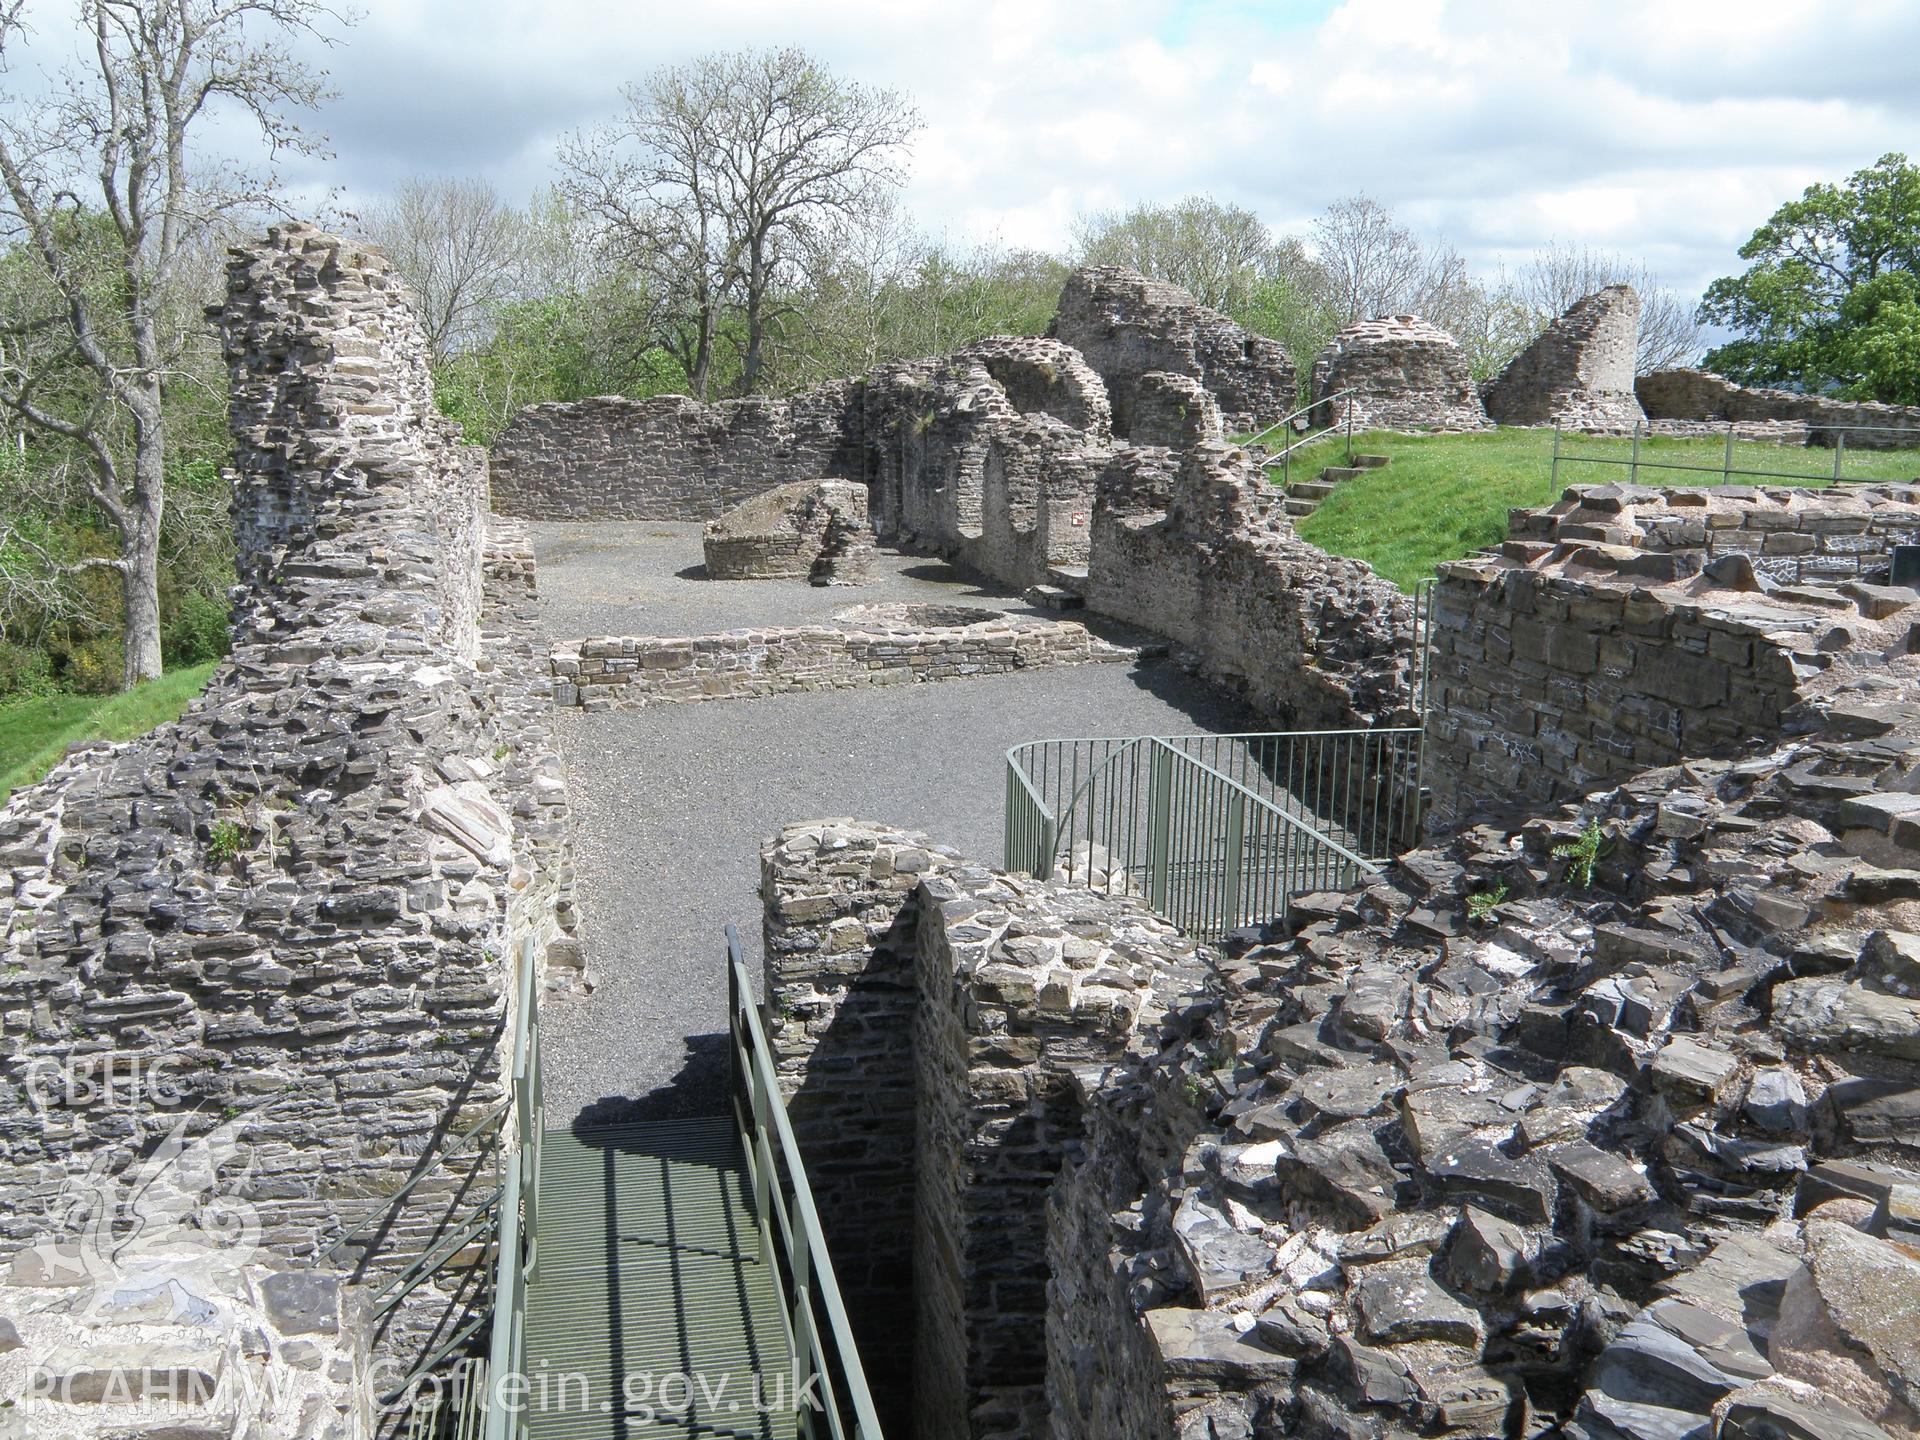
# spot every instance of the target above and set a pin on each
(1167, 817)
(1284, 457)
(1726, 469)
(517, 1252)
(781, 1193)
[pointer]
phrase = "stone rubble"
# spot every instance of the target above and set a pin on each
(1627, 1153)
(813, 530)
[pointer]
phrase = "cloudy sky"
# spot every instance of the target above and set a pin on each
(1662, 128)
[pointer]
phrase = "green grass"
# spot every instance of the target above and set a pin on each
(35, 733)
(1445, 496)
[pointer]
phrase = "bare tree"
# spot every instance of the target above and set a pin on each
(723, 183)
(1373, 264)
(106, 200)
(1217, 253)
(457, 246)
(1561, 274)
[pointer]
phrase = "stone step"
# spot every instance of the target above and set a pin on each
(1298, 508)
(1337, 473)
(1054, 597)
(1310, 489)
(1068, 577)
(1369, 462)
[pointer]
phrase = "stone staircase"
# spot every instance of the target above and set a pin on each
(1304, 496)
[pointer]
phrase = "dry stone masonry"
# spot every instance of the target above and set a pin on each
(813, 530)
(668, 457)
(1129, 327)
(1700, 395)
(1406, 374)
(1628, 628)
(282, 927)
(1578, 372)
(872, 645)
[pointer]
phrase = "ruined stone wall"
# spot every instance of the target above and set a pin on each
(1406, 374)
(1632, 628)
(670, 457)
(1685, 394)
(989, 456)
(923, 1006)
(842, 916)
(1790, 535)
(1196, 548)
(743, 664)
(298, 903)
(1623, 1154)
(1578, 372)
(1129, 326)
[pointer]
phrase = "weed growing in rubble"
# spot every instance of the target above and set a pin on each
(1584, 855)
(1484, 908)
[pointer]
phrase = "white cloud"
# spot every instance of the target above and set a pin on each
(1664, 130)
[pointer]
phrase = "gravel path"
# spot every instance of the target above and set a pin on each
(648, 578)
(671, 805)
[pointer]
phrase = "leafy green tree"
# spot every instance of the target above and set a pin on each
(1829, 300)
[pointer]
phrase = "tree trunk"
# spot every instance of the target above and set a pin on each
(756, 299)
(140, 552)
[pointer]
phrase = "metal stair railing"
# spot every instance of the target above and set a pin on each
(1214, 831)
(831, 1398)
(517, 1250)
(1284, 457)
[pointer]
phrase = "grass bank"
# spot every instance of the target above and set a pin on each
(35, 733)
(1445, 496)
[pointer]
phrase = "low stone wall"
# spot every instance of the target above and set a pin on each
(741, 664)
(934, 1021)
(1791, 535)
(670, 457)
(1643, 628)
(1701, 395)
(1197, 548)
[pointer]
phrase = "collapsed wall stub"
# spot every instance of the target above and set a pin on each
(927, 1010)
(1685, 395)
(1627, 628)
(1406, 374)
(814, 530)
(1196, 547)
(1578, 372)
(1129, 326)
(298, 906)
(670, 457)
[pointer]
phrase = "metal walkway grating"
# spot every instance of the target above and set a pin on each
(651, 1312)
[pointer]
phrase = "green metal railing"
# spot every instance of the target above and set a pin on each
(517, 1249)
(829, 1386)
(1215, 832)
(1284, 456)
(1833, 437)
